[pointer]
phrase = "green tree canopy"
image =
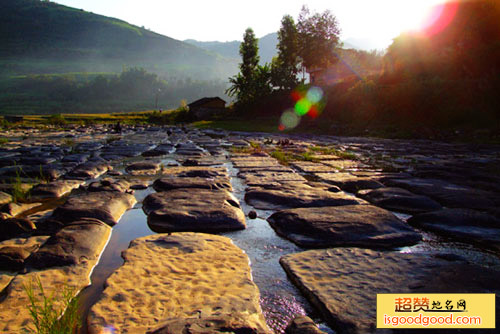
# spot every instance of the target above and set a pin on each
(318, 37)
(285, 65)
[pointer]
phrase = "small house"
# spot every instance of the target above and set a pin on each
(206, 107)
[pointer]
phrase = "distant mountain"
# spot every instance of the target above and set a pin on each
(267, 47)
(45, 37)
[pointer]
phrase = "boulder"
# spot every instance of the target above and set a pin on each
(203, 210)
(77, 242)
(343, 283)
(184, 280)
(462, 224)
(400, 200)
(104, 205)
(341, 226)
(296, 196)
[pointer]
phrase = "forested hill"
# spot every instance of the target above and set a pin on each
(64, 39)
(267, 47)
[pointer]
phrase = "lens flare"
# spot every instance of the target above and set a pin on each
(440, 17)
(314, 94)
(308, 101)
(290, 119)
(302, 106)
(108, 330)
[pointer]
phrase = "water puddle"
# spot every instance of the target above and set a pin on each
(132, 225)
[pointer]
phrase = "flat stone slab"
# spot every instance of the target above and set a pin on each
(311, 167)
(15, 227)
(186, 279)
(195, 171)
(13, 252)
(263, 178)
(109, 184)
(143, 168)
(174, 182)
(349, 182)
(54, 189)
(342, 226)
(296, 196)
(343, 283)
(462, 224)
(341, 164)
(75, 243)
(400, 200)
(14, 209)
(89, 170)
(107, 206)
(201, 210)
(5, 198)
(75, 277)
(254, 162)
(448, 194)
(302, 325)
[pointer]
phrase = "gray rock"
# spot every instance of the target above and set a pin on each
(173, 182)
(109, 184)
(462, 224)
(341, 226)
(89, 170)
(107, 206)
(143, 168)
(448, 194)
(400, 200)
(296, 196)
(202, 210)
(343, 283)
(349, 182)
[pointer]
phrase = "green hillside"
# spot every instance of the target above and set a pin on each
(267, 48)
(43, 37)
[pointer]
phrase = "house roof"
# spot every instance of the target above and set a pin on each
(204, 100)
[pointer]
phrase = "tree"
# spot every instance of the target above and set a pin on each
(285, 66)
(245, 84)
(318, 37)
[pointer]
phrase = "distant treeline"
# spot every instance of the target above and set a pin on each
(445, 77)
(133, 89)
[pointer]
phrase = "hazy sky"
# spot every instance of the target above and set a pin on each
(375, 20)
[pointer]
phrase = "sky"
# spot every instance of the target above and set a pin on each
(376, 22)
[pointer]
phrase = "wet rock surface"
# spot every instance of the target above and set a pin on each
(191, 280)
(343, 283)
(104, 205)
(400, 200)
(463, 224)
(343, 226)
(209, 181)
(198, 211)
